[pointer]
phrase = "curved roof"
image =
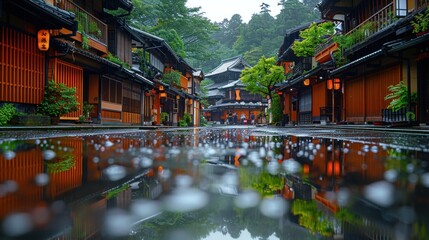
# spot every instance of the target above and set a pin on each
(234, 64)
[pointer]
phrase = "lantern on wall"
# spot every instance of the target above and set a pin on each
(177, 97)
(330, 84)
(43, 39)
(333, 84)
(307, 82)
(337, 83)
(237, 95)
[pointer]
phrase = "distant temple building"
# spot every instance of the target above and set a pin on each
(229, 102)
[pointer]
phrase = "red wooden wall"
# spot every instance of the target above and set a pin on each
(364, 96)
(72, 76)
(22, 67)
(318, 98)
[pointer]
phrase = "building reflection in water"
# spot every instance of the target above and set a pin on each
(64, 187)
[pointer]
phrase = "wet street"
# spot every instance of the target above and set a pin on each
(232, 182)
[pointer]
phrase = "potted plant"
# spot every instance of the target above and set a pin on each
(421, 23)
(400, 100)
(58, 100)
(86, 116)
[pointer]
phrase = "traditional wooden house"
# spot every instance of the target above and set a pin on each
(304, 95)
(174, 93)
(89, 49)
(374, 49)
(227, 94)
(23, 66)
(105, 58)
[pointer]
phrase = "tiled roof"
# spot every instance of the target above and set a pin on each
(215, 93)
(238, 83)
(228, 65)
(239, 104)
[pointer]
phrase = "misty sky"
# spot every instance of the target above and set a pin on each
(217, 10)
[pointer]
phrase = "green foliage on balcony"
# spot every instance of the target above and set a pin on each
(312, 37)
(171, 77)
(421, 22)
(349, 40)
(116, 60)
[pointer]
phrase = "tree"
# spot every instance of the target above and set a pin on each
(164, 16)
(294, 13)
(261, 78)
(313, 36)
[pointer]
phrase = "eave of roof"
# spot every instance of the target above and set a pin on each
(238, 104)
(59, 15)
(301, 78)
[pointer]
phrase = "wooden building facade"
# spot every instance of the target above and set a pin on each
(385, 51)
(90, 50)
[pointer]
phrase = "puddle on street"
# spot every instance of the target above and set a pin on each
(215, 183)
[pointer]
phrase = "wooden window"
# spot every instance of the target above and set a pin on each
(131, 98)
(111, 90)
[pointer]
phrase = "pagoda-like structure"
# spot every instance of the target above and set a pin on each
(227, 95)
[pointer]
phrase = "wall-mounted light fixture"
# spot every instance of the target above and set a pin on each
(307, 82)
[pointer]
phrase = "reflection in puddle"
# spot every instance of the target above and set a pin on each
(229, 183)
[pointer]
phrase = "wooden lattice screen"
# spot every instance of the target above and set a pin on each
(72, 76)
(21, 67)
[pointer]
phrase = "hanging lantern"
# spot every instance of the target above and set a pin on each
(237, 95)
(330, 84)
(177, 97)
(163, 95)
(43, 39)
(337, 83)
(161, 88)
(307, 82)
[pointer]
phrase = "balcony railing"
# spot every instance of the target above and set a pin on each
(422, 4)
(89, 24)
(302, 66)
(377, 22)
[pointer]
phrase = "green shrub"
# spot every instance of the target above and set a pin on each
(58, 100)
(6, 113)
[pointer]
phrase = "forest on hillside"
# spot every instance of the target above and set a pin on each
(203, 44)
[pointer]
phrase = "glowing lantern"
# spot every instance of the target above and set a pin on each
(330, 84)
(337, 83)
(43, 40)
(307, 82)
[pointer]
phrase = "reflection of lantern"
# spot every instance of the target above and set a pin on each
(43, 40)
(307, 82)
(333, 168)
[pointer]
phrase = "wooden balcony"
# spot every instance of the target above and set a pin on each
(420, 4)
(92, 26)
(374, 24)
(324, 54)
